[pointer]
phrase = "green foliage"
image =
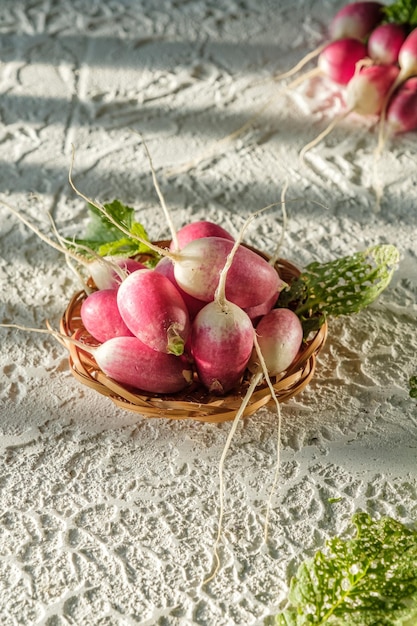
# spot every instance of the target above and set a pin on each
(413, 386)
(340, 287)
(402, 12)
(105, 233)
(367, 580)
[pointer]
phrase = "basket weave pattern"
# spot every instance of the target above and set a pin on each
(195, 401)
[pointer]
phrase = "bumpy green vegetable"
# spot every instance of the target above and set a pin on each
(340, 287)
(367, 580)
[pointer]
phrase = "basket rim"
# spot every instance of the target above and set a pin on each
(194, 403)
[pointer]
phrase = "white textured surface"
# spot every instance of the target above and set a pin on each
(107, 518)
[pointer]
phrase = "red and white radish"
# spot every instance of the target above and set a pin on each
(366, 91)
(251, 280)
(401, 116)
(197, 230)
(154, 311)
(221, 345)
(384, 43)
(101, 317)
(339, 59)
(130, 362)
(407, 60)
(280, 336)
(356, 19)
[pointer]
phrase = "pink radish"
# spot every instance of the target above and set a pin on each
(339, 59)
(100, 315)
(166, 267)
(366, 91)
(154, 311)
(130, 362)
(407, 60)
(196, 230)
(250, 281)
(407, 57)
(356, 19)
(365, 95)
(384, 43)
(401, 114)
(280, 336)
(221, 344)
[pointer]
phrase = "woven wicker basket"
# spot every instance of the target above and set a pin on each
(195, 402)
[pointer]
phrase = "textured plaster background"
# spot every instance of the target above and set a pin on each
(108, 518)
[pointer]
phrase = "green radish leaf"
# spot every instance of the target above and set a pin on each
(366, 580)
(401, 12)
(101, 229)
(106, 237)
(340, 287)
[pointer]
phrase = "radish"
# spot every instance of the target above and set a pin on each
(339, 58)
(101, 317)
(366, 91)
(384, 43)
(196, 230)
(250, 281)
(356, 19)
(365, 95)
(337, 61)
(154, 311)
(130, 362)
(407, 60)
(401, 113)
(221, 345)
(280, 335)
(399, 117)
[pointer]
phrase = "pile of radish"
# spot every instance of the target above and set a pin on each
(372, 55)
(195, 312)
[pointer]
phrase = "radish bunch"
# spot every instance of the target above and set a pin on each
(195, 311)
(371, 55)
